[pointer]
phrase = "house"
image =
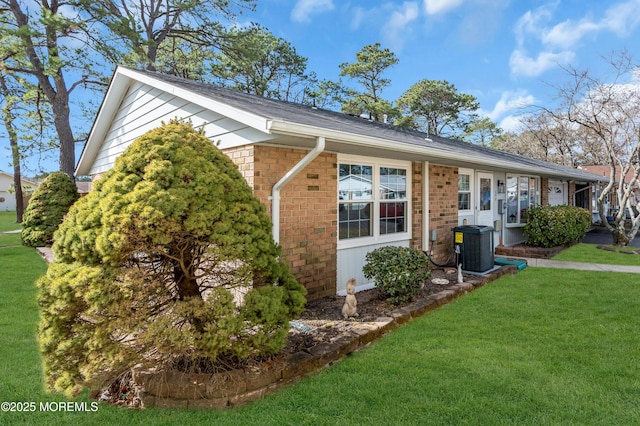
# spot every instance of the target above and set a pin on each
(611, 202)
(7, 192)
(336, 186)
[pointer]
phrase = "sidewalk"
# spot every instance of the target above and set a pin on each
(546, 263)
(17, 231)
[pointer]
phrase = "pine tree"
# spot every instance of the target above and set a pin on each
(169, 257)
(48, 206)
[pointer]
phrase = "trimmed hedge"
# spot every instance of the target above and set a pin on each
(398, 271)
(48, 206)
(552, 226)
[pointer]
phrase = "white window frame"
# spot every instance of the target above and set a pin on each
(537, 200)
(471, 174)
(376, 237)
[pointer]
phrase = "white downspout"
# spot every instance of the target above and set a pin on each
(275, 191)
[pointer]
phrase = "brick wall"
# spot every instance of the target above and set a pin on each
(443, 209)
(417, 203)
(308, 210)
(572, 190)
(544, 191)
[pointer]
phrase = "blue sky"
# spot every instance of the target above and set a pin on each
(507, 53)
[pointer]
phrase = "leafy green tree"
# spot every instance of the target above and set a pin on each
(255, 61)
(137, 29)
(327, 94)
(371, 63)
(170, 256)
(21, 108)
(436, 107)
(181, 58)
(46, 210)
(481, 131)
(55, 63)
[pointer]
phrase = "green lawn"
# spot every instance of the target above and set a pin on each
(590, 253)
(8, 221)
(541, 347)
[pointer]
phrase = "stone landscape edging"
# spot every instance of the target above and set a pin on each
(236, 387)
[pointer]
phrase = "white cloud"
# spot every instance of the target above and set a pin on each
(622, 18)
(510, 101)
(619, 19)
(357, 17)
(568, 33)
(532, 23)
(434, 7)
(511, 123)
(521, 63)
(396, 27)
(305, 8)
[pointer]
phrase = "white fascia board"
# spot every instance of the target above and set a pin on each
(117, 89)
(120, 83)
(242, 116)
(303, 130)
(283, 127)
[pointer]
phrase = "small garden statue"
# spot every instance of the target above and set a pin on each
(350, 307)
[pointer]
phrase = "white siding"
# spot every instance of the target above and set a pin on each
(7, 201)
(144, 108)
(350, 264)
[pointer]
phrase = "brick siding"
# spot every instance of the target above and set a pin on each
(416, 204)
(544, 191)
(443, 209)
(308, 210)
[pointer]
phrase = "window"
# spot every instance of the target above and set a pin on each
(393, 195)
(464, 190)
(372, 200)
(523, 192)
(355, 195)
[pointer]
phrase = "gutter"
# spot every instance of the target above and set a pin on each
(275, 191)
(294, 129)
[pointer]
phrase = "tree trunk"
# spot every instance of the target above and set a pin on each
(187, 287)
(620, 237)
(17, 178)
(65, 134)
(15, 151)
(57, 93)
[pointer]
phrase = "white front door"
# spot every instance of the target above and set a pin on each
(484, 205)
(557, 191)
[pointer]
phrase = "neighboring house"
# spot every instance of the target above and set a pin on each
(7, 191)
(336, 186)
(611, 202)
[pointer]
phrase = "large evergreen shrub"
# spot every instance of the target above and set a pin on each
(399, 271)
(169, 256)
(49, 204)
(551, 226)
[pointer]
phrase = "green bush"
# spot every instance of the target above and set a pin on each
(551, 226)
(399, 271)
(48, 206)
(170, 257)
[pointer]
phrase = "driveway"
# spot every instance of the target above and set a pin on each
(602, 236)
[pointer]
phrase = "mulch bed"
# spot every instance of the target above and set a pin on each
(321, 322)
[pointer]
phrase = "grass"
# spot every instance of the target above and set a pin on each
(8, 221)
(541, 347)
(589, 253)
